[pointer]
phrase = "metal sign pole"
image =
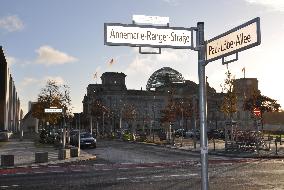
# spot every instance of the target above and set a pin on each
(202, 105)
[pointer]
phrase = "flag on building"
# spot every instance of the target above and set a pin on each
(111, 62)
(96, 75)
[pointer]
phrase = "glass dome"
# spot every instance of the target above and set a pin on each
(163, 77)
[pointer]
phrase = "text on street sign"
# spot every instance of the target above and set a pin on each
(238, 39)
(52, 110)
(148, 36)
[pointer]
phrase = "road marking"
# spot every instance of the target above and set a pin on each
(21, 173)
(39, 172)
(53, 166)
(4, 186)
(98, 164)
(157, 176)
(139, 177)
(158, 166)
(140, 167)
(175, 175)
(121, 178)
(106, 169)
(57, 171)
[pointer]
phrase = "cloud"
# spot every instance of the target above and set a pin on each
(49, 56)
(11, 23)
(58, 79)
(172, 2)
(277, 5)
(10, 60)
(28, 81)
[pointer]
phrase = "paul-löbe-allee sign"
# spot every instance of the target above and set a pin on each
(238, 39)
(149, 36)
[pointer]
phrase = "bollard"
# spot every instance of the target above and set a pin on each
(41, 157)
(7, 160)
(74, 152)
(63, 154)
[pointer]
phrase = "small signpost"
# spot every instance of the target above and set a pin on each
(256, 112)
(52, 110)
(231, 42)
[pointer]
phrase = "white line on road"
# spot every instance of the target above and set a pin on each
(158, 166)
(121, 178)
(175, 175)
(57, 171)
(53, 166)
(140, 167)
(39, 172)
(157, 176)
(106, 169)
(98, 164)
(23, 173)
(140, 177)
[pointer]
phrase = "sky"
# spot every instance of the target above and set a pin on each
(64, 41)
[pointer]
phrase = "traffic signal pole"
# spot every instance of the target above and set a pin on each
(202, 105)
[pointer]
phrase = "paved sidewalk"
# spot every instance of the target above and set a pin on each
(24, 153)
(220, 149)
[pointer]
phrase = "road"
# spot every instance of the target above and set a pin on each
(123, 165)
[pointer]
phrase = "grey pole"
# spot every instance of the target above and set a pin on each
(202, 106)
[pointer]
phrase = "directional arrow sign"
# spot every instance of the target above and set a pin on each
(149, 36)
(238, 39)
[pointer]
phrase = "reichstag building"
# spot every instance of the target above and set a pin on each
(122, 109)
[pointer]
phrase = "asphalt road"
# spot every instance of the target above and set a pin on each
(122, 165)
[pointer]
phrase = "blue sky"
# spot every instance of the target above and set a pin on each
(64, 40)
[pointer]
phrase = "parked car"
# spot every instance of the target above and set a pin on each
(86, 140)
(180, 133)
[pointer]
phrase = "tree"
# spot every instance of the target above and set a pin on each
(229, 104)
(99, 110)
(129, 114)
(263, 103)
(53, 95)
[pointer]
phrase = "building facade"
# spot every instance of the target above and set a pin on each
(10, 111)
(166, 85)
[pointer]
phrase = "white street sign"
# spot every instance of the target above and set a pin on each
(52, 110)
(238, 39)
(143, 19)
(148, 36)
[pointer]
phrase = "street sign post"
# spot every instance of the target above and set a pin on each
(238, 39)
(117, 34)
